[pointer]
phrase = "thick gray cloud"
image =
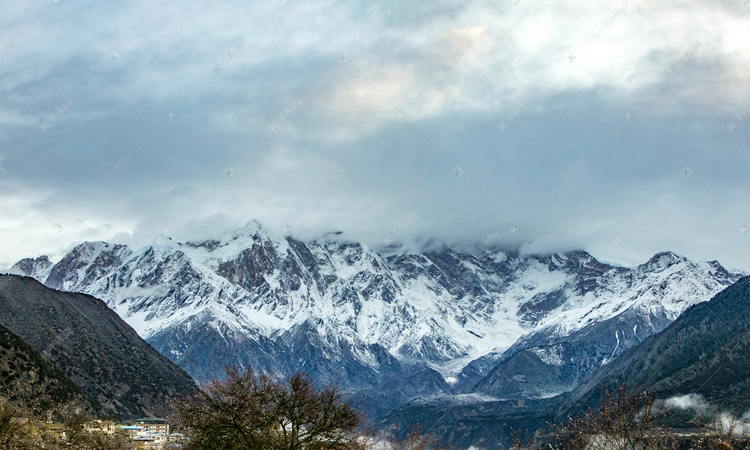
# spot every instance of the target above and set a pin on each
(618, 127)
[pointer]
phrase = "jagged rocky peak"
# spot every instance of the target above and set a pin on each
(252, 230)
(231, 244)
(38, 268)
(718, 269)
(162, 240)
(580, 259)
(87, 261)
(663, 260)
(164, 248)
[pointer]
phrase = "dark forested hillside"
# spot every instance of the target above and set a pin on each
(28, 382)
(705, 351)
(90, 344)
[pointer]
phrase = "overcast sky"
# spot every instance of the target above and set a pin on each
(618, 127)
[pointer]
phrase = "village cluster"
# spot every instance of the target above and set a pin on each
(146, 433)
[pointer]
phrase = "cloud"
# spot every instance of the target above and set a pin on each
(689, 401)
(543, 126)
(729, 423)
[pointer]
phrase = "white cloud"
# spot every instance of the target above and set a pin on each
(696, 402)
(689, 401)
(563, 74)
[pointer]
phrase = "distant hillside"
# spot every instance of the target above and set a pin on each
(29, 382)
(705, 351)
(89, 343)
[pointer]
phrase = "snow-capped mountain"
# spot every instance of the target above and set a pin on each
(399, 321)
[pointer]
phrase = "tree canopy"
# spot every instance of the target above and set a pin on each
(251, 410)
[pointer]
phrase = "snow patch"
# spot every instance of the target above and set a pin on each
(551, 356)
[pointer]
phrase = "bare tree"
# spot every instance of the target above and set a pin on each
(626, 420)
(416, 439)
(250, 410)
(718, 431)
(14, 433)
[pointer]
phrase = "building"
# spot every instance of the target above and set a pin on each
(151, 440)
(153, 425)
(130, 430)
(102, 426)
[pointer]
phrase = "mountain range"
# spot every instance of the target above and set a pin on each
(387, 325)
(698, 365)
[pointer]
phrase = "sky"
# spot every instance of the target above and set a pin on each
(617, 127)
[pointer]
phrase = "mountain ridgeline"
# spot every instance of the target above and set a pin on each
(706, 351)
(388, 326)
(94, 349)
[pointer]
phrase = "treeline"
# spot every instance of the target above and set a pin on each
(250, 410)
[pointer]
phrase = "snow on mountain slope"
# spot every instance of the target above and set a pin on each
(286, 305)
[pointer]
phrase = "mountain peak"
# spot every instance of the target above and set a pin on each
(251, 229)
(37, 268)
(91, 246)
(251, 226)
(161, 240)
(664, 259)
(578, 254)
